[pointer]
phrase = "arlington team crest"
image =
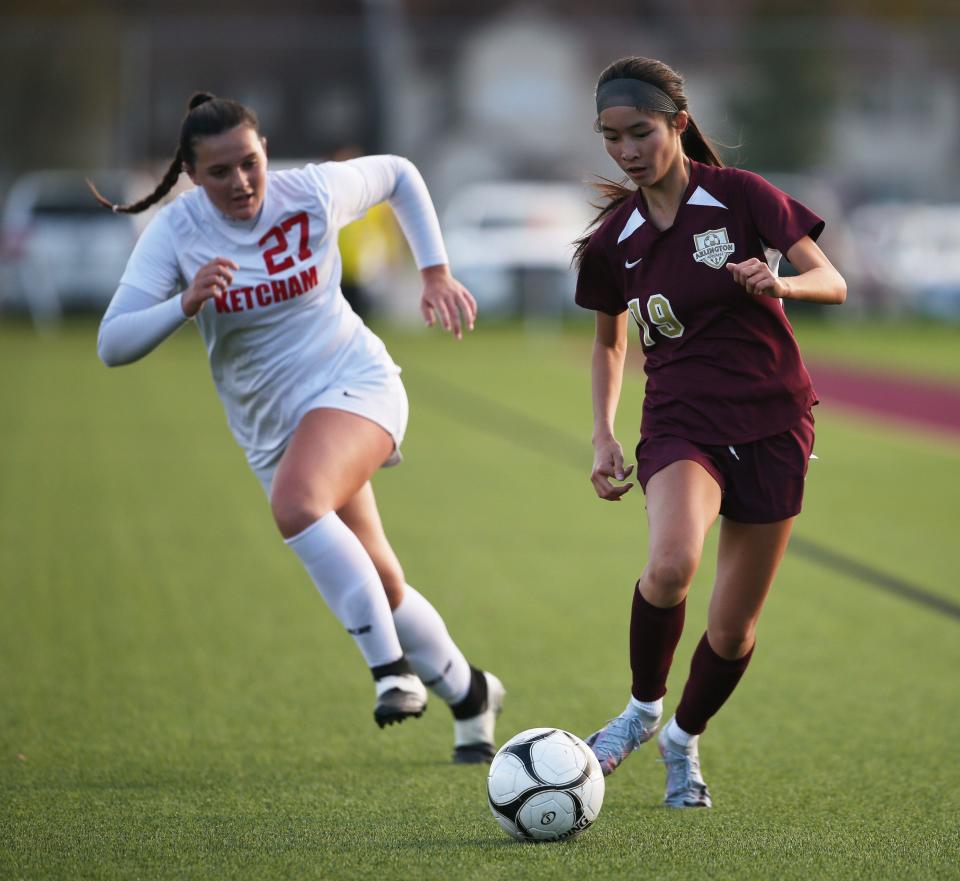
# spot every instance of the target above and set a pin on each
(713, 247)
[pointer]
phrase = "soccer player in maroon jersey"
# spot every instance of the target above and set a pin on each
(691, 255)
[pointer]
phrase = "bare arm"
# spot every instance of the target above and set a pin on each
(609, 353)
(817, 282)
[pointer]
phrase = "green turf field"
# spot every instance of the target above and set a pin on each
(915, 348)
(177, 703)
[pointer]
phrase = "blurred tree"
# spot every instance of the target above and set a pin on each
(59, 83)
(786, 101)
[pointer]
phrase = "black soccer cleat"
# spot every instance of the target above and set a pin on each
(399, 697)
(475, 719)
(474, 754)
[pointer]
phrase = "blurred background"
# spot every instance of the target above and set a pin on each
(175, 700)
(853, 107)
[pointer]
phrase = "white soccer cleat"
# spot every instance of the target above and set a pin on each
(473, 737)
(621, 736)
(399, 697)
(685, 786)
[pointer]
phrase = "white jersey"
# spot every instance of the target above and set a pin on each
(283, 333)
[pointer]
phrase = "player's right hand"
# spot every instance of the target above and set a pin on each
(607, 464)
(212, 280)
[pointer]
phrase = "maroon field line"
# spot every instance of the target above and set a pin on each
(920, 402)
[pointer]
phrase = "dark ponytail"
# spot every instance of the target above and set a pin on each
(698, 146)
(206, 115)
(694, 143)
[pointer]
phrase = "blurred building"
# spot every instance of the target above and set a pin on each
(865, 93)
(863, 97)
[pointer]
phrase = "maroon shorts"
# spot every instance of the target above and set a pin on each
(761, 482)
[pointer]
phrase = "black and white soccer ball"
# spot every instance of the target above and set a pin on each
(545, 784)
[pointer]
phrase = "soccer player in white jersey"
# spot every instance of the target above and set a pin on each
(310, 393)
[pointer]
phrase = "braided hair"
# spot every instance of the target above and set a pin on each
(206, 115)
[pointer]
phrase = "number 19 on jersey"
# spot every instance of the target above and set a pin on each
(659, 314)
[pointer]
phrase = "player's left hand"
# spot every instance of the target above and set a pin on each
(757, 277)
(446, 300)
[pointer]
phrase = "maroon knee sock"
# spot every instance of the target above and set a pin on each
(654, 634)
(712, 680)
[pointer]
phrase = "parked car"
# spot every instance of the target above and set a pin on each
(60, 250)
(510, 243)
(912, 251)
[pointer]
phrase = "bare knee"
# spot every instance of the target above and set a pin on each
(731, 642)
(294, 511)
(667, 577)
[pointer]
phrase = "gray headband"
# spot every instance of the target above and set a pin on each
(633, 93)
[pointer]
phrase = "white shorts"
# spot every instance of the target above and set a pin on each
(379, 397)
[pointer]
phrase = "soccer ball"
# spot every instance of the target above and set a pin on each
(545, 784)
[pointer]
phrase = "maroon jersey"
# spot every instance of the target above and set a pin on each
(722, 365)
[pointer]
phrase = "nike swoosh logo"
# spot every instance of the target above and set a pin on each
(350, 395)
(630, 265)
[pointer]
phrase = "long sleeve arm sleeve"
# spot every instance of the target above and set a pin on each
(145, 310)
(358, 184)
(135, 323)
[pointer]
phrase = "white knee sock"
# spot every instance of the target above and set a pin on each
(431, 652)
(347, 579)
